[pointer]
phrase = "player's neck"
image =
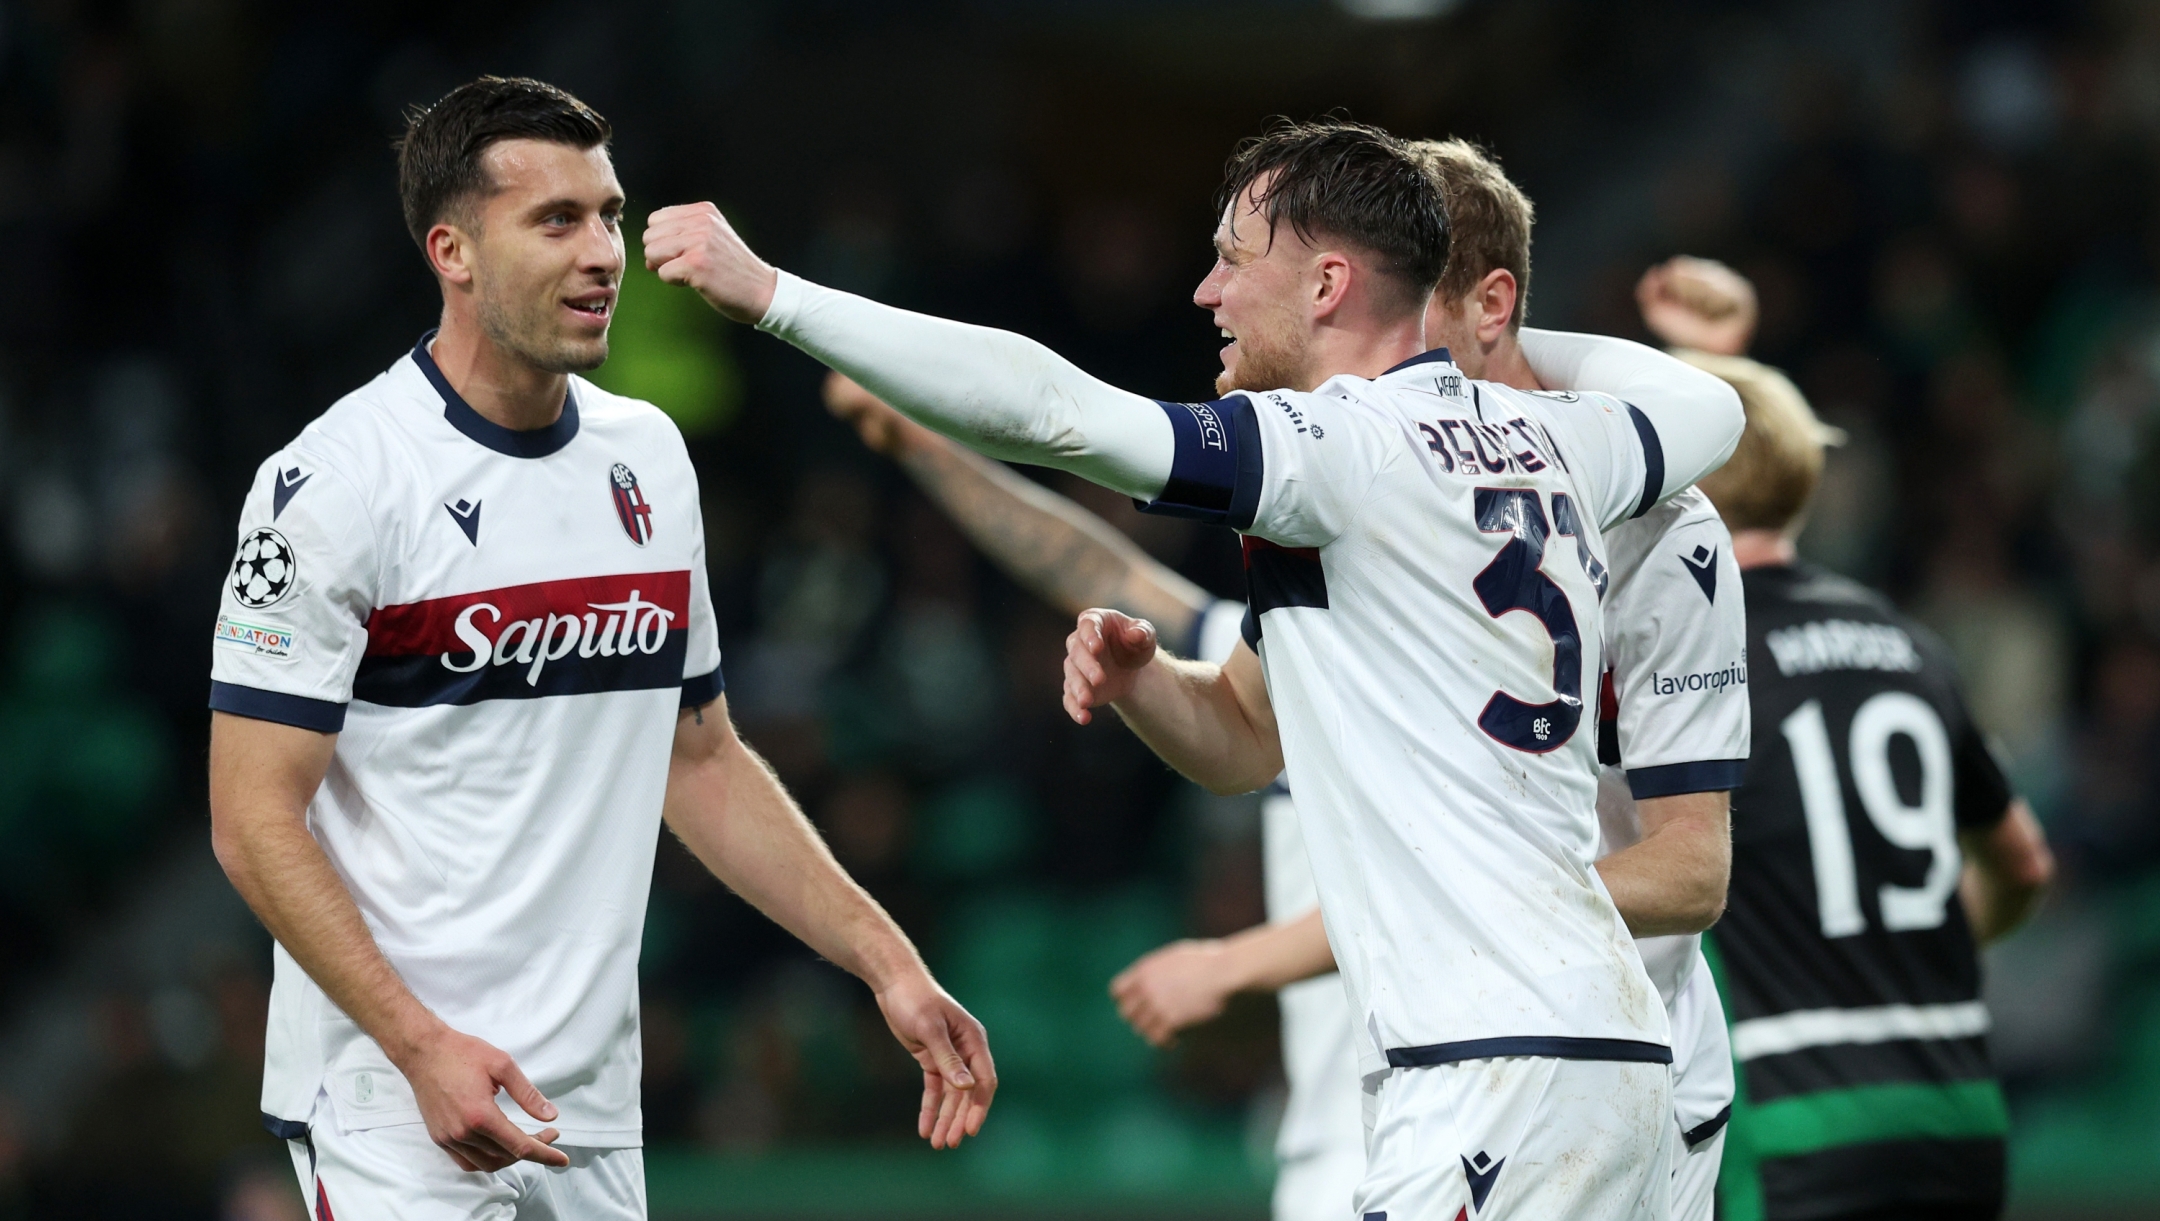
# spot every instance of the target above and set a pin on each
(1763, 549)
(1362, 351)
(1505, 364)
(504, 389)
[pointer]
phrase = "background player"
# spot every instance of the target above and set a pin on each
(1074, 560)
(1875, 841)
(466, 664)
(1530, 1013)
(1663, 618)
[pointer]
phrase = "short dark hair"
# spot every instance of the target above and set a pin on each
(439, 166)
(1353, 183)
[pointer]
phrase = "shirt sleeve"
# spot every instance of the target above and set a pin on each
(1288, 467)
(1676, 633)
(292, 624)
(1687, 420)
(1983, 792)
(703, 681)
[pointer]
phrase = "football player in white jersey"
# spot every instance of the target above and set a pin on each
(1074, 560)
(1434, 736)
(1664, 625)
(465, 667)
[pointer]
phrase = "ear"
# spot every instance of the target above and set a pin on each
(1333, 274)
(449, 251)
(1495, 302)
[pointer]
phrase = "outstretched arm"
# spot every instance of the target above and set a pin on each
(1213, 723)
(996, 392)
(731, 812)
(1052, 547)
(1696, 415)
(1186, 983)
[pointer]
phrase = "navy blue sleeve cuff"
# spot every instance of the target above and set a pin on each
(1653, 460)
(702, 690)
(1215, 475)
(322, 716)
(1673, 779)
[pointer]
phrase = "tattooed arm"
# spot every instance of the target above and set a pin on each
(1050, 546)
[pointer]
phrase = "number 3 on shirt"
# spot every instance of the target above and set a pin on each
(1516, 581)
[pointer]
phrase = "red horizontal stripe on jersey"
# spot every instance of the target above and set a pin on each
(430, 626)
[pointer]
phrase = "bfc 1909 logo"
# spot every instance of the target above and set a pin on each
(630, 506)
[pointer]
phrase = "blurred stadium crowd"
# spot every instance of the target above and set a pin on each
(1948, 210)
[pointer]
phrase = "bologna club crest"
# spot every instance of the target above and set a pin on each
(630, 506)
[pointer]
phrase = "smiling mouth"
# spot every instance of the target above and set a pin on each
(594, 307)
(1228, 347)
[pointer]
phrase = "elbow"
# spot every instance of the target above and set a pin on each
(230, 849)
(1707, 910)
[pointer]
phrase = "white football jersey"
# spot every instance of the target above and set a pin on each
(1424, 558)
(501, 627)
(1674, 719)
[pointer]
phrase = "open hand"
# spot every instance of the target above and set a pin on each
(959, 1077)
(454, 1078)
(693, 245)
(884, 430)
(1103, 658)
(1182, 984)
(1698, 303)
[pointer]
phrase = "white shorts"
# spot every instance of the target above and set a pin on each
(1520, 1137)
(1694, 1178)
(397, 1174)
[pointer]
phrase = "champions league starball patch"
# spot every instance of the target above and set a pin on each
(263, 571)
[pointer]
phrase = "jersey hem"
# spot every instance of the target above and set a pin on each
(1695, 776)
(304, 712)
(1549, 1047)
(703, 689)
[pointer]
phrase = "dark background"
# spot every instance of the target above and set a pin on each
(1947, 208)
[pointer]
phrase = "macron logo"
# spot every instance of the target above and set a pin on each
(288, 484)
(1703, 567)
(467, 516)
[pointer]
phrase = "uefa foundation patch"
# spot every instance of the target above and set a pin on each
(256, 639)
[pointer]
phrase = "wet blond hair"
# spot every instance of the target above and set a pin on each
(1773, 473)
(1490, 217)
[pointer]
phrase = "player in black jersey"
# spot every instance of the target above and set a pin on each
(1875, 843)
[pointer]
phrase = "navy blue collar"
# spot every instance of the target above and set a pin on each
(530, 443)
(1438, 356)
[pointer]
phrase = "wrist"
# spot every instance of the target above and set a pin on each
(411, 1035)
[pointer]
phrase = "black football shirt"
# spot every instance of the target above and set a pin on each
(1850, 975)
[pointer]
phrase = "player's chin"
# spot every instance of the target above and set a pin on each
(579, 353)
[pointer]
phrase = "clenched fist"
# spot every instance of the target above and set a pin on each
(1698, 303)
(1103, 656)
(693, 245)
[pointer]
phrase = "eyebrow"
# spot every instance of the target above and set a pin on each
(566, 204)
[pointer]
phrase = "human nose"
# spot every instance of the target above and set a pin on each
(1209, 294)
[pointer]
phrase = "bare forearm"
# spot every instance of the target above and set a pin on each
(1188, 714)
(1673, 880)
(2007, 873)
(1052, 547)
(1268, 957)
(731, 811)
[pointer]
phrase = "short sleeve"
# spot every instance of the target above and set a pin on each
(292, 624)
(1983, 791)
(1609, 447)
(1286, 466)
(702, 678)
(1676, 641)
